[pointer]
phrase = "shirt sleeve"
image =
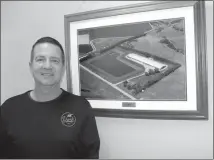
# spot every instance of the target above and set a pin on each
(90, 135)
(4, 138)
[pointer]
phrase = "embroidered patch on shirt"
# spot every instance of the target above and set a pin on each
(68, 119)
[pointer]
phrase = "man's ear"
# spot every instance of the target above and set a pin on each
(30, 64)
(64, 70)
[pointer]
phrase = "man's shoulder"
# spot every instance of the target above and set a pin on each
(15, 99)
(73, 98)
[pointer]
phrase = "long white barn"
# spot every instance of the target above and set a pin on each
(148, 61)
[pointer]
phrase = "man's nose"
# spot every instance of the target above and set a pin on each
(47, 64)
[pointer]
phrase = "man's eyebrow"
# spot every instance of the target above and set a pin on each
(55, 57)
(45, 57)
(40, 57)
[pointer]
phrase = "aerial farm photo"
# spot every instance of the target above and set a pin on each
(139, 61)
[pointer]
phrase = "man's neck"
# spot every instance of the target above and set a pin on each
(45, 93)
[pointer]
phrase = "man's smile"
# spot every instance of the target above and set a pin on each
(47, 74)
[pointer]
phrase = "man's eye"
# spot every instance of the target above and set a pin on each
(55, 61)
(39, 60)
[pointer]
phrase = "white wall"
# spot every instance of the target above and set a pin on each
(24, 22)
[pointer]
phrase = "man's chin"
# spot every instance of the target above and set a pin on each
(48, 84)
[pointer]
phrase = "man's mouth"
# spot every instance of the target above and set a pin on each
(47, 74)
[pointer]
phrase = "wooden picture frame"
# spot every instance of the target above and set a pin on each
(192, 103)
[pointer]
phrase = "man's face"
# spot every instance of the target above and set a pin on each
(47, 67)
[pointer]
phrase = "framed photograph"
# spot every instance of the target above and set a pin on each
(140, 61)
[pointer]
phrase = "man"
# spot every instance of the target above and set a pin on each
(48, 122)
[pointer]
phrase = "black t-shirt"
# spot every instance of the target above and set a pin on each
(61, 128)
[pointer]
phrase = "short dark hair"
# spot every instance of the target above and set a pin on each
(51, 41)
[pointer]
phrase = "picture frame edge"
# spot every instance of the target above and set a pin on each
(201, 60)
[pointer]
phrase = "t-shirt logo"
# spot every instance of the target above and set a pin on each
(68, 119)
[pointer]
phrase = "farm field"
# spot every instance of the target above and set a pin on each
(147, 66)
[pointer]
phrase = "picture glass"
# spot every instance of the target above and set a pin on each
(135, 61)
